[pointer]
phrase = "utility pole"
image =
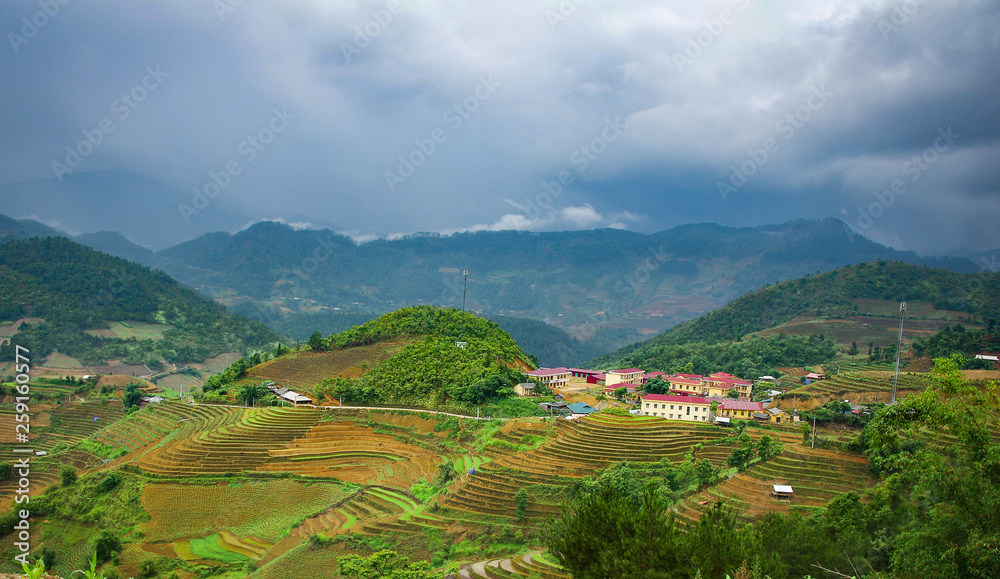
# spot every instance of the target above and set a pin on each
(899, 346)
(813, 445)
(465, 274)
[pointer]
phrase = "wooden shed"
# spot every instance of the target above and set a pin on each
(782, 492)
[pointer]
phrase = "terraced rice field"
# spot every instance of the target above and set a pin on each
(817, 476)
(577, 450)
(857, 382)
(260, 510)
(355, 454)
(371, 511)
(236, 441)
(311, 368)
(533, 564)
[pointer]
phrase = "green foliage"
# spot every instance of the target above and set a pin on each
(92, 573)
(36, 571)
(384, 564)
(132, 396)
(939, 502)
(750, 357)
(75, 288)
(68, 476)
(520, 504)
(833, 293)
(434, 372)
(6, 470)
(957, 340)
(106, 545)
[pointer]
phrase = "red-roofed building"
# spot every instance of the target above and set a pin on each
(550, 376)
(684, 384)
(673, 407)
(628, 375)
(656, 374)
(582, 373)
(738, 408)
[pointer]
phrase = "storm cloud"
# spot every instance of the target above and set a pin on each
(393, 116)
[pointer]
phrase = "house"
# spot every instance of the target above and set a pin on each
(682, 384)
(738, 408)
(525, 389)
(296, 398)
(583, 374)
(778, 416)
(152, 399)
(625, 376)
(727, 382)
(720, 389)
(813, 376)
(551, 377)
(598, 379)
(580, 409)
(782, 492)
(557, 407)
(674, 407)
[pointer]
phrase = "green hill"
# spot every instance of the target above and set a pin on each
(453, 359)
(810, 306)
(97, 307)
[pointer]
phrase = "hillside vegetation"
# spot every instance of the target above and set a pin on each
(724, 339)
(75, 289)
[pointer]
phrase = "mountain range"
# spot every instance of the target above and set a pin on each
(608, 286)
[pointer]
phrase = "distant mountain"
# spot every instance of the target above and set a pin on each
(835, 294)
(551, 345)
(625, 283)
(114, 243)
(11, 229)
(136, 206)
(93, 305)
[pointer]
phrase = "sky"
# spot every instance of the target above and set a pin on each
(387, 117)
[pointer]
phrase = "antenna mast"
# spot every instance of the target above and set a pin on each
(899, 346)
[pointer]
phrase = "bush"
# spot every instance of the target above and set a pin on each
(6, 471)
(107, 545)
(68, 476)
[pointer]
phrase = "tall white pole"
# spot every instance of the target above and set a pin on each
(899, 346)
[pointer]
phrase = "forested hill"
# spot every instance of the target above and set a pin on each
(829, 295)
(578, 280)
(79, 292)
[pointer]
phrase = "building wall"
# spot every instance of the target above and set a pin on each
(677, 411)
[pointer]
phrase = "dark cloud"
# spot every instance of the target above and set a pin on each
(702, 88)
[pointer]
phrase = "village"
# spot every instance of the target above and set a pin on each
(717, 398)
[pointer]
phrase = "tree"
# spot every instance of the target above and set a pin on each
(6, 471)
(106, 545)
(521, 504)
(854, 349)
(601, 398)
(248, 394)
(621, 392)
(941, 503)
(132, 396)
(316, 342)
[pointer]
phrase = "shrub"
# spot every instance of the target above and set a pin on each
(68, 476)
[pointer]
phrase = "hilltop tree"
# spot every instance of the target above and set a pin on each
(854, 349)
(316, 342)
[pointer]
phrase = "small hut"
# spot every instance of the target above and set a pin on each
(782, 492)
